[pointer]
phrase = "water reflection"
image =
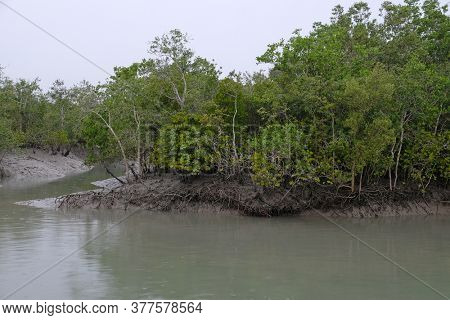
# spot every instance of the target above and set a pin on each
(201, 256)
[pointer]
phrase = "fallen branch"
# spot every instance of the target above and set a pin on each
(113, 175)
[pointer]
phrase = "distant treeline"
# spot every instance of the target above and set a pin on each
(358, 101)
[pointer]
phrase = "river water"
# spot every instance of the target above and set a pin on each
(88, 254)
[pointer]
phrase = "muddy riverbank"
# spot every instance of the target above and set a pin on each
(27, 165)
(171, 192)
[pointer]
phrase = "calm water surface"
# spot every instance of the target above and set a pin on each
(210, 256)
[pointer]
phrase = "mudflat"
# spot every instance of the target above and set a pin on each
(27, 165)
(172, 192)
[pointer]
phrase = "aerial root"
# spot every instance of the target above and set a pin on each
(171, 193)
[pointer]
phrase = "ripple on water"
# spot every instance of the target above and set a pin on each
(191, 256)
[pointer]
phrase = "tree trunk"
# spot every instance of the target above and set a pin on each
(400, 146)
(360, 181)
(62, 117)
(353, 177)
(124, 157)
(390, 166)
(234, 131)
(436, 127)
(334, 156)
(138, 143)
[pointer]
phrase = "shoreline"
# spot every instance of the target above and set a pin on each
(54, 202)
(35, 165)
(171, 193)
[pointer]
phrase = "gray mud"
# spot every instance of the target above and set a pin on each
(171, 192)
(28, 165)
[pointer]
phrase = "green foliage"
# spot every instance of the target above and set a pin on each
(56, 139)
(366, 103)
(99, 144)
(357, 100)
(428, 158)
(187, 144)
(368, 93)
(187, 80)
(44, 120)
(8, 138)
(281, 155)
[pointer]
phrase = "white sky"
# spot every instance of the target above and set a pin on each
(117, 33)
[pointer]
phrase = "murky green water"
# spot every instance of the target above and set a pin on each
(201, 256)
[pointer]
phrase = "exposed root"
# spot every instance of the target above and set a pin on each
(172, 193)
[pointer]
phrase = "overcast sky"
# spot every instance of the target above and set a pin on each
(114, 33)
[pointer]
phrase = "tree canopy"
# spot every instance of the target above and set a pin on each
(357, 101)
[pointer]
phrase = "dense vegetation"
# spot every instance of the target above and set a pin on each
(357, 102)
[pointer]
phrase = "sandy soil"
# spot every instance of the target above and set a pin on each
(28, 165)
